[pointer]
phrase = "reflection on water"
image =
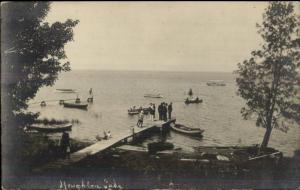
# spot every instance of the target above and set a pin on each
(115, 91)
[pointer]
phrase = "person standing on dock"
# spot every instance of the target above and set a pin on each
(153, 106)
(141, 119)
(160, 111)
(65, 145)
(170, 109)
(152, 112)
(164, 111)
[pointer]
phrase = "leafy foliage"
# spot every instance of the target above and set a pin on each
(32, 50)
(269, 80)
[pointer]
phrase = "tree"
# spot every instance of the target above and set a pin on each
(269, 80)
(32, 51)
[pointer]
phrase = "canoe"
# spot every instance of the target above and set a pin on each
(193, 101)
(66, 90)
(186, 130)
(50, 128)
(153, 96)
(75, 105)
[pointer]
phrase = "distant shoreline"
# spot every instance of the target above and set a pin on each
(158, 71)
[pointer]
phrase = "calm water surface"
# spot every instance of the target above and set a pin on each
(115, 91)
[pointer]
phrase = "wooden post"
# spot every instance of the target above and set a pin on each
(133, 134)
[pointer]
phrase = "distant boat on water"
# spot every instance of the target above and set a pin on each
(133, 112)
(75, 105)
(50, 128)
(66, 90)
(193, 100)
(216, 83)
(153, 96)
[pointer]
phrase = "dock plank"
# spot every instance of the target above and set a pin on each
(102, 145)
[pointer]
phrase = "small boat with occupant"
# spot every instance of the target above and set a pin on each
(186, 130)
(133, 112)
(75, 105)
(193, 100)
(66, 90)
(153, 96)
(136, 110)
(50, 128)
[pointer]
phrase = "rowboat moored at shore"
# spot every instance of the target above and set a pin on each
(50, 128)
(186, 130)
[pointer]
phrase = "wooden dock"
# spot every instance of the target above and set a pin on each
(104, 145)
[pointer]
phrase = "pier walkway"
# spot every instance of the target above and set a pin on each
(104, 144)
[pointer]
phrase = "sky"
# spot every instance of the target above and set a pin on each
(160, 36)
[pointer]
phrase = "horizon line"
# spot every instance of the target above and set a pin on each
(208, 71)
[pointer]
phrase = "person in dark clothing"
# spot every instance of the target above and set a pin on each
(164, 111)
(160, 111)
(170, 109)
(65, 145)
(154, 111)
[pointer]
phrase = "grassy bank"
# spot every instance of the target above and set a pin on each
(38, 149)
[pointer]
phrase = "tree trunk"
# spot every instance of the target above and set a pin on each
(266, 139)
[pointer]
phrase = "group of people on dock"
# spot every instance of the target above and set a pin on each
(165, 111)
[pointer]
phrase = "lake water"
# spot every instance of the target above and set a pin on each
(115, 91)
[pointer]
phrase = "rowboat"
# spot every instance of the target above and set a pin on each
(66, 90)
(216, 83)
(50, 128)
(186, 130)
(133, 112)
(153, 96)
(75, 105)
(193, 101)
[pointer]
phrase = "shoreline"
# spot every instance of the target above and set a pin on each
(132, 166)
